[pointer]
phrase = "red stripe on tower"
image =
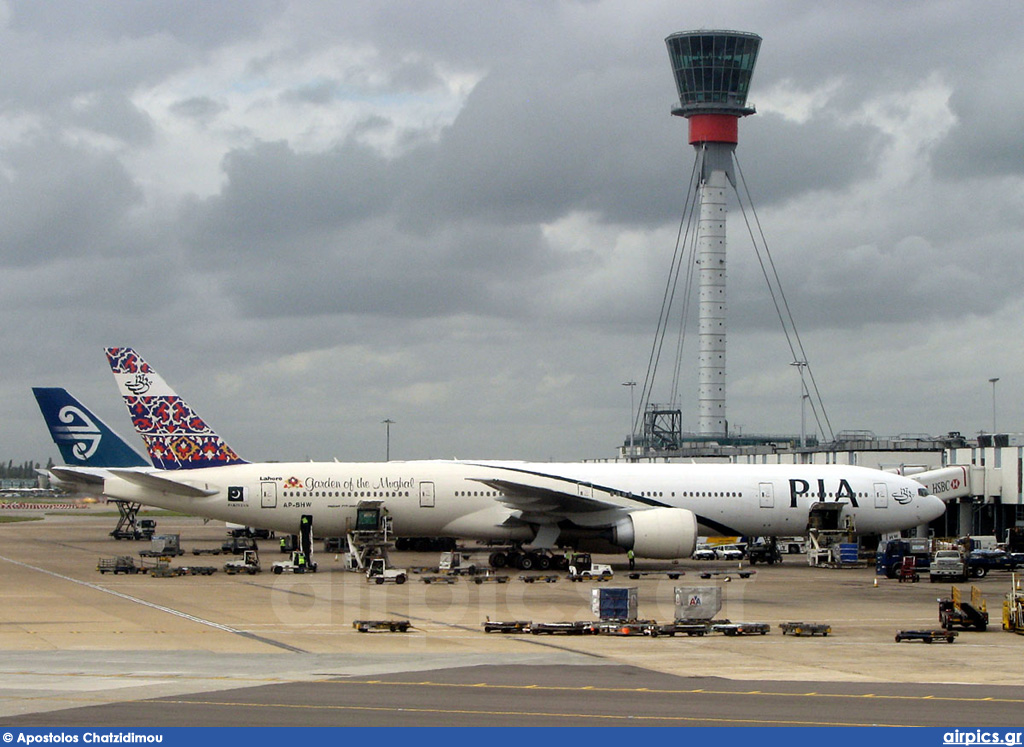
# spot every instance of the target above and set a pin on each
(714, 128)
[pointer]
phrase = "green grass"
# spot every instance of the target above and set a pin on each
(14, 519)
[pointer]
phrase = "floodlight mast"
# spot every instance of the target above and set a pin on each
(712, 71)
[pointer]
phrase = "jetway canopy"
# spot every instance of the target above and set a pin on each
(953, 482)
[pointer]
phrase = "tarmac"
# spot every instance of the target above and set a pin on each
(79, 648)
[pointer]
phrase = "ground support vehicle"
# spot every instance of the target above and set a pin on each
(726, 575)
(458, 563)
(947, 565)
(297, 562)
(693, 627)
(956, 612)
(238, 545)
(511, 626)
(370, 538)
(980, 562)
(890, 556)
(380, 573)
(249, 563)
(928, 636)
(792, 545)
(490, 578)
(655, 574)
(908, 570)
(704, 553)
(439, 580)
(163, 545)
(649, 628)
(120, 564)
(548, 578)
(128, 527)
(805, 629)
(381, 626)
(1013, 608)
(580, 627)
(764, 552)
(741, 628)
(164, 569)
(583, 568)
(237, 531)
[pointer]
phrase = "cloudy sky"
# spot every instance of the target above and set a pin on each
(312, 216)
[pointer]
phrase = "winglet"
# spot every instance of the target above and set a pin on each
(175, 436)
(83, 439)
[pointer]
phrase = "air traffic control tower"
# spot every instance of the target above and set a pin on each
(713, 71)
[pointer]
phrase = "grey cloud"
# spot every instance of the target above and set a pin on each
(58, 201)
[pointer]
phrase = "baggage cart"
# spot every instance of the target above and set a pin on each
(805, 629)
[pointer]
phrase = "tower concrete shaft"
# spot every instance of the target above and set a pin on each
(716, 176)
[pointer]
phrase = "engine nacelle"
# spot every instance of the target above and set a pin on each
(658, 533)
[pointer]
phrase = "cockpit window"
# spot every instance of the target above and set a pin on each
(922, 492)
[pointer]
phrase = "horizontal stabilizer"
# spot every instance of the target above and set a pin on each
(160, 484)
(79, 475)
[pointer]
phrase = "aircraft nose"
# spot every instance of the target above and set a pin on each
(931, 508)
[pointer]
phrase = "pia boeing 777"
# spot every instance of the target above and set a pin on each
(657, 510)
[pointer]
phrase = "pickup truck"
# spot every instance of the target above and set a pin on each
(980, 562)
(947, 565)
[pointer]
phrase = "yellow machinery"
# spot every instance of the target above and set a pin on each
(1013, 607)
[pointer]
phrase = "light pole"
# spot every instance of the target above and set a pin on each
(387, 430)
(993, 383)
(801, 365)
(632, 388)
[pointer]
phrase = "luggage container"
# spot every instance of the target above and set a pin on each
(696, 603)
(615, 603)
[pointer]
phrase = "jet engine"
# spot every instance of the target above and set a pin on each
(658, 533)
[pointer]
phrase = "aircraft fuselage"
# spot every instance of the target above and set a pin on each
(453, 498)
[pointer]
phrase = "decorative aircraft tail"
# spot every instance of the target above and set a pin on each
(83, 439)
(175, 436)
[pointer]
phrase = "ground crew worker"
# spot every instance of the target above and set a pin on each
(631, 558)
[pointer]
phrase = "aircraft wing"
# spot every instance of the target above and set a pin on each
(538, 499)
(160, 484)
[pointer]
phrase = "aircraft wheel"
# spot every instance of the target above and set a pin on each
(526, 562)
(543, 562)
(498, 560)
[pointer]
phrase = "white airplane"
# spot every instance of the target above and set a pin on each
(657, 510)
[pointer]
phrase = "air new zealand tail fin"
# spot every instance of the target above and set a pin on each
(83, 439)
(175, 436)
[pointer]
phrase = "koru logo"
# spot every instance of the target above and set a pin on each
(80, 432)
(139, 385)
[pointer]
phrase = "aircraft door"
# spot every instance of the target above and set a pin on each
(426, 495)
(268, 495)
(766, 492)
(881, 495)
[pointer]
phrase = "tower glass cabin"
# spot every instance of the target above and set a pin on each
(713, 70)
